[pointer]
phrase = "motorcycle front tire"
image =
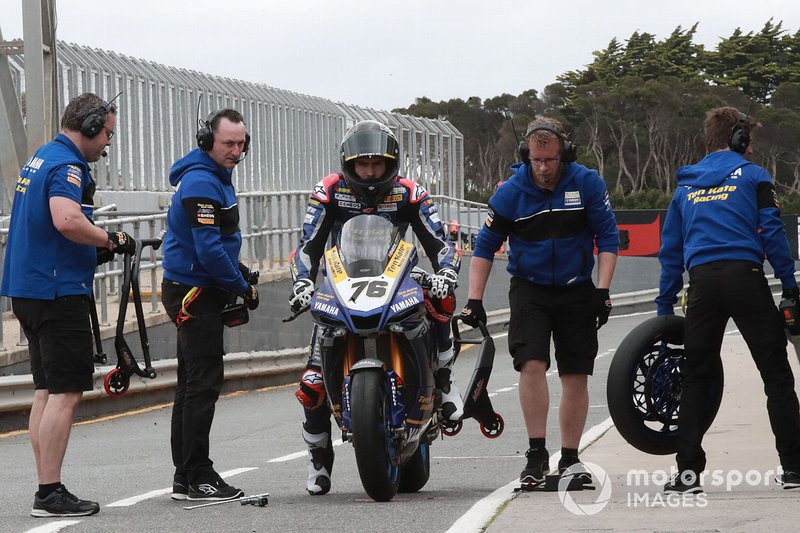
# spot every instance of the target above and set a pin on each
(369, 417)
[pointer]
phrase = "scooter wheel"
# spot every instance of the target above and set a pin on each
(116, 383)
(495, 429)
(452, 428)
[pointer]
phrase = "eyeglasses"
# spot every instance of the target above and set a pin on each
(110, 133)
(545, 161)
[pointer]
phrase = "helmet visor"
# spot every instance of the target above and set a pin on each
(364, 144)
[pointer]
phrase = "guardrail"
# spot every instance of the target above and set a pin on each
(271, 224)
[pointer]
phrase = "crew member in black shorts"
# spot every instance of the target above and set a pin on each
(554, 212)
(53, 248)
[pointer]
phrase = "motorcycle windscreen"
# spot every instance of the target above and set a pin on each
(364, 245)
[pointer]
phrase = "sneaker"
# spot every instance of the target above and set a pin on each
(62, 502)
(213, 490)
(574, 468)
(537, 468)
(452, 404)
(685, 482)
(790, 479)
(180, 487)
(320, 464)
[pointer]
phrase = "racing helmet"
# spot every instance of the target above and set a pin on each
(370, 138)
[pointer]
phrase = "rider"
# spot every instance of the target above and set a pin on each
(368, 184)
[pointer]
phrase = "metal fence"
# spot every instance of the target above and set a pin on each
(271, 225)
(295, 137)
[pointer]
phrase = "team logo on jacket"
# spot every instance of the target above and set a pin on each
(205, 213)
(74, 175)
(387, 207)
(572, 198)
(489, 217)
(345, 197)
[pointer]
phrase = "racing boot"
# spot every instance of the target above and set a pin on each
(320, 464)
(452, 404)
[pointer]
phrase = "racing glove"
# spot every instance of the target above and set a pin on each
(443, 283)
(473, 313)
(601, 302)
(250, 276)
(302, 290)
(123, 243)
(251, 297)
(104, 255)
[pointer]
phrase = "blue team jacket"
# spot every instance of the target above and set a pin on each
(724, 209)
(552, 235)
(201, 248)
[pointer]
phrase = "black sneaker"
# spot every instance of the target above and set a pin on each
(538, 466)
(685, 482)
(790, 479)
(180, 487)
(213, 490)
(62, 502)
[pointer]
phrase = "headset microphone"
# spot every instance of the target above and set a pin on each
(104, 153)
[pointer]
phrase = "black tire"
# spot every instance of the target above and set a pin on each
(644, 385)
(377, 467)
(415, 473)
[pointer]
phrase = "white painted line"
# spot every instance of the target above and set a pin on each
(477, 519)
(52, 527)
(297, 455)
(493, 394)
(153, 493)
(140, 498)
(505, 389)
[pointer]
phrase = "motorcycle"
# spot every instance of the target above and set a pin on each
(377, 349)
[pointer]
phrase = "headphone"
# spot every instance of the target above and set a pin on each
(740, 135)
(569, 152)
(95, 120)
(205, 135)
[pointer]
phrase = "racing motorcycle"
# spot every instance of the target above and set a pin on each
(377, 349)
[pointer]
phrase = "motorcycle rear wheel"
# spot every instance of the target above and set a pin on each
(416, 471)
(377, 468)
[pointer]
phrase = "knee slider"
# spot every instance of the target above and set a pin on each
(311, 393)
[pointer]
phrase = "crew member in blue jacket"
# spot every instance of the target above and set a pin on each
(554, 212)
(201, 275)
(369, 184)
(53, 247)
(723, 219)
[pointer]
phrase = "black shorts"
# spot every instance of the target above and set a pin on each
(59, 342)
(566, 313)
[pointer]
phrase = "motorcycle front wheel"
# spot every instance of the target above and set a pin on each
(377, 465)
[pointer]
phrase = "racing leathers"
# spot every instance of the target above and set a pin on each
(330, 205)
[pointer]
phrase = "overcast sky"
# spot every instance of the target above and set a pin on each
(384, 54)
